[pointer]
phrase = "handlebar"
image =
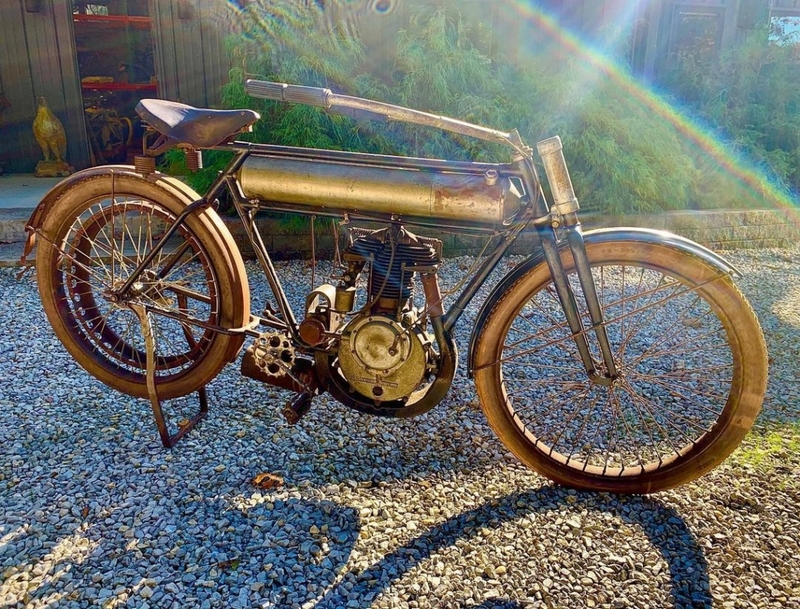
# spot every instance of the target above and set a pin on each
(345, 104)
(311, 96)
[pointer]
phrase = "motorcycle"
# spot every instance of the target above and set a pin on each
(621, 359)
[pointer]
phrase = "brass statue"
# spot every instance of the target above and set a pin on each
(50, 134)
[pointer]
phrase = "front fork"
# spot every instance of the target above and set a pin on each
(564, 214)
(569, 303)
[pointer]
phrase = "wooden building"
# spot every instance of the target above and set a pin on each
(92, 60)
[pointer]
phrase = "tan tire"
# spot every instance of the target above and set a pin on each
(90, 243)
(693, 371)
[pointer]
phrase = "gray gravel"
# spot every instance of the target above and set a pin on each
(430, 512)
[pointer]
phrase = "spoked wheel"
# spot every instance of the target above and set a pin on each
(91, 244)
(692, 371)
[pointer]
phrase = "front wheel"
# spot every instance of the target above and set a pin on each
(692, 371)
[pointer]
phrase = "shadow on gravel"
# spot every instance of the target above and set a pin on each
(664, 527)
(273, 544)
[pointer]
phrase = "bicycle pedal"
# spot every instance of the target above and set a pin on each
(297, 407)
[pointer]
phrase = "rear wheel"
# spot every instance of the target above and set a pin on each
(92, 241)
(692, 365)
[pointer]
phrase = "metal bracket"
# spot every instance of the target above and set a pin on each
(167, 439)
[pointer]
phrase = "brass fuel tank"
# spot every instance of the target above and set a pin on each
(471, 198)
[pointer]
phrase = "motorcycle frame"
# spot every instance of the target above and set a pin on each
(496, 200)
(534, 212)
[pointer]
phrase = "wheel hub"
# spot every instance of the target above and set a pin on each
(147, 286)
(605, 380)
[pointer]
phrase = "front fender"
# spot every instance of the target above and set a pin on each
(599, 236)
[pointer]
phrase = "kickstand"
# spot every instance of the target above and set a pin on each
(167, 439)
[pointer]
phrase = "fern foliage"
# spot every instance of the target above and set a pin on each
(624, 157)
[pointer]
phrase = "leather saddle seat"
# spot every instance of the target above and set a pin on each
(198, 127)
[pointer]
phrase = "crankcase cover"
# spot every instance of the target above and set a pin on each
(381, 359)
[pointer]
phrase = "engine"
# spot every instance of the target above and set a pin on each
(377, 355)
(384, 351)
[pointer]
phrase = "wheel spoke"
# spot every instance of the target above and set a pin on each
(669, 420)
(102, 248)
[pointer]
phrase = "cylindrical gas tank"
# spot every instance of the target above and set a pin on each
(423, 193)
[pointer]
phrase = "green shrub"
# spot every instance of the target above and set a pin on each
(624, 156)
(748, 98)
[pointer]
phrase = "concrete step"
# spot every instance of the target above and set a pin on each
(23, 190)
(19, 195)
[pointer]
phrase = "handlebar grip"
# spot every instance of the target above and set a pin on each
(312, 96)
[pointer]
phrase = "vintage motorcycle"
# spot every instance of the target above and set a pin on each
(621, 359)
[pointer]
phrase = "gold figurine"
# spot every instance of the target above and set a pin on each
(50, 134)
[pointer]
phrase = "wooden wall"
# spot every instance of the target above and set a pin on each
(37, 57)
(191, 60)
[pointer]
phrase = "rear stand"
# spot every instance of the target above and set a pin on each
(167, 439)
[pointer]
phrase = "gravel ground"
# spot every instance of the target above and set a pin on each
(429, 512)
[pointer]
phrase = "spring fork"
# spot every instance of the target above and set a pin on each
(578, 247)
(569, 303)
(565, 208)
(567, 297)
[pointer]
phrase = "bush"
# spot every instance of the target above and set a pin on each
(749, 99)
(624, 157)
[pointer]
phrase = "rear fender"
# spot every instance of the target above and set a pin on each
(49, 200)
(599, 236)
(241, 295)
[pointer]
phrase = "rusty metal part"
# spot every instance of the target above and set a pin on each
(312, 331)
(302, 377)
(433, 295)
(564, 200)
(167, 439)
(395, 256)
(321, 297)
(144, 165)
(297, 407)
(345, 299)
(194, 159)
(320, 316)
(381, 359)
(425, 194)
(421, 400)
(273, 353)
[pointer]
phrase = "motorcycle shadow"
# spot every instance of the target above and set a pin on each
(665, 530)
